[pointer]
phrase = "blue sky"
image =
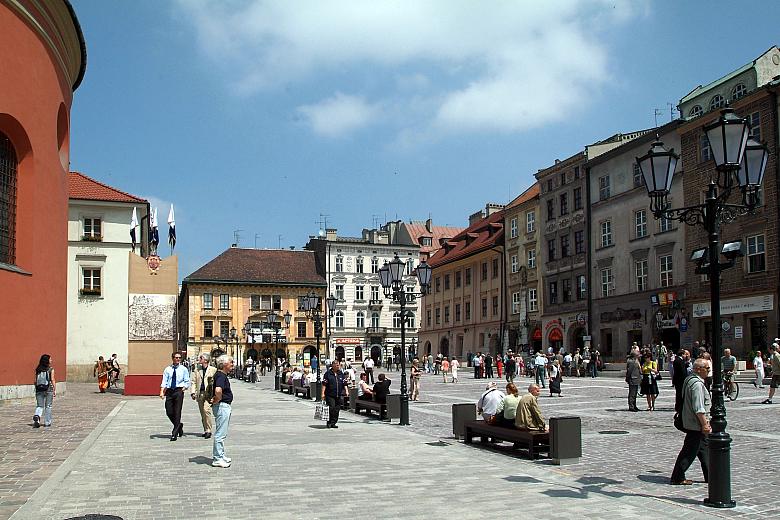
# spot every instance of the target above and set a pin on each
(261, 116)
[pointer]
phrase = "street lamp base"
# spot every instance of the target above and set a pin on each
(277, 383)
(720, 505)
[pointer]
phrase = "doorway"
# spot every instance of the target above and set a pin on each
(340, 353)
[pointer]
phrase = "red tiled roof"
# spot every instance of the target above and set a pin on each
(260, 266)
(481, 235)
(85, 188)
(417, 230)
(527, 195)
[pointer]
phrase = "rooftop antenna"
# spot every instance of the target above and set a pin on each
(657, 112)
(280, 241)
(672, 110)
(375, 221)
(256, 237)
(237, 237)
(323, 222)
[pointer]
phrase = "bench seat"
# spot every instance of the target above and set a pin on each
(535, 442)
(361, 404)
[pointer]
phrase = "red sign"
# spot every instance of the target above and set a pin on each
(555, 335)
(537, 335)
(347, 341)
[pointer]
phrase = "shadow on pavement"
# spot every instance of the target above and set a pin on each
(318, 426)
(523, 478)
(200, 459)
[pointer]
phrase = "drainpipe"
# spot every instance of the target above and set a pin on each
(773, 93)
(588, 249)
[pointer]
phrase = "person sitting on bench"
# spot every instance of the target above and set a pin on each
(364, 391)
(507, 408)
(381, 389)
(529, 416)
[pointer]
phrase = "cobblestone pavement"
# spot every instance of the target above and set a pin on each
(634, 451)
(29, 456)
(286, 465)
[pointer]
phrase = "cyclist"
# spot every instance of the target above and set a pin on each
(113, 369)
(728, 364)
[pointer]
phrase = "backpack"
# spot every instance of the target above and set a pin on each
(42, 381)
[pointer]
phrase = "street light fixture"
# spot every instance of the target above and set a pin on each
(311, 303)
(736, 158)
(235, 337)
(272, 318)
(391, 276)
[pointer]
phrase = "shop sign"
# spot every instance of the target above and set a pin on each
(683, 324)
(738, 332)
(347, 341)
(736, 306)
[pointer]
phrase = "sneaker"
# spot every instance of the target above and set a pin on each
(227, 459)
(36, 421)
(766, 401)
(685, 482)
(220, 463)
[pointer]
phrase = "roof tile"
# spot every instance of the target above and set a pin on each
(262, 266)
(85, 188)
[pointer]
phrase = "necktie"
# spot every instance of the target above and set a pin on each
(173, 378)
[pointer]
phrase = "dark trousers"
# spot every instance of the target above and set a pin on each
(632, 391)
(594, 369)
(488, 370)
(370, 375)
(695, 445)
(678, 398)
(477, 371)
(333, 409)
(173, 401)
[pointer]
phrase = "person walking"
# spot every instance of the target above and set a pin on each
(489, 366)
(45, 391)
(221, 407)
(540, 362)
(556, 376)
(696, 424)
(758, 365)
(679, 373)
(454, 365)
(634, 379)
(332, 391)
(202, 390)
(499, 366)
(175, 379)
(476, 362)
(774, 360)
(595, 359)
(649, 384)
(445, 367)
(368, 368)
(100, 370)
(577, 362)
(415, 379)
(567, 361)
(510, 368)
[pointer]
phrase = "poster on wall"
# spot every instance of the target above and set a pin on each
(152, 317)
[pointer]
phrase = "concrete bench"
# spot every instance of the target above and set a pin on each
(298, 387)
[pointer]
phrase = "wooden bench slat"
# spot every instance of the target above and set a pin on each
(534, 441)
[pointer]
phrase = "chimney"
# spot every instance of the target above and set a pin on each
(491, 208)
(292, 248)
(429, 225)
(330, 234)
(476, 217)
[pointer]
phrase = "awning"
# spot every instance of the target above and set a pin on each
(555, 335)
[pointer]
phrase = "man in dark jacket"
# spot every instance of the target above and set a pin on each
(488, 366)
(381, 389)
(634, 379)
(680, 370)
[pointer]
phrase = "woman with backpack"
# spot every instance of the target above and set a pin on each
(45, 390)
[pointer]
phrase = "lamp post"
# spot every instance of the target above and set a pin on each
(276, 326)
(248, 333)
(737, 158)
(236, 354)
(311, 303)
(391, 276)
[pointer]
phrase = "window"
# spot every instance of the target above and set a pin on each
(467, 310)
(565, 246)
(265, 303)
(457, 313)
(705, 152)
(515, 264)
(550, 209)
(396, 320)
(495, 305)
(640, 272)
(467, 275)
(447, 282)
(409, 266)
(566, 288)
(339, 320)
(301, 329)
(604, 187)
(375, 320)
(8, 163)
(91, 281)
(438, 316)
(549, 184)
(695, 111)
(606, 233)
(553, 292)
(664, 224)
(437, 283)
(484, 307)
(428, 317)
(208, 301)
(755, 126)
(516, 299)
(607, 286)
(640, 223)
(224, 302)
(738, 91)
(551, 249)
(564, 203)
(360, 320)
(277, 299)
(359, 293)
(339, 291)
(665, 263)
(446, 314)
(375, 265)
(576, 172)
(254, 302)
(577, 198)
(756, 254)
(717, 101)
(495, 268)
(375, 292)
(224, 329)
(427, 241)
(513, 228)
(208, 329)
(359, 264)
(339, 264)
(638, 179)
(579, 242)
(563, 178)
(582, 287)
(532, 259)
(410, 319)
(484, 271)
(457, 279)
(92, 228)
(533, 303)
(530, 222)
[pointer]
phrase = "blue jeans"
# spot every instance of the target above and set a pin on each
(43, 400)
(221, 422)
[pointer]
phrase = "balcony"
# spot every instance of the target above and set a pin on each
(375, 305)
(376, 331)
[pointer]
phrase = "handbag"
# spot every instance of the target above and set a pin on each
(678, 422)
(321, 412)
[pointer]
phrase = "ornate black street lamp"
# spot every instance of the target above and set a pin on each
(276, 326)
(737, 158)
(236, 354)
(391, 276)
(311, 304)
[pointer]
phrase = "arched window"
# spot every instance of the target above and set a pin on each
(695, 111)
(8, 164)
(738, 91)
(717, 101)
(396, 320)
(339, 319)
(409, 319)
(375, 319)
(361, 320)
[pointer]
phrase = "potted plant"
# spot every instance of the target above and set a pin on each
(89, 292)
(750, 356)
(92, 238)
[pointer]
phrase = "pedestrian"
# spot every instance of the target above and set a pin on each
(368, 368)
(595, 360)
(758, 365)
(476, 361)
(507, 408)
(519, 366)
(634, 379)
(332, 392)
(649, 385)
(445, 367)
(568, 359)
(499, 366)
(774, 360)
(174, 380)
(100, 370)
(663, 352)
(556, 376)
(488, 402)
(202, 390)
(540, 362)
(221, 407)
(529, 416)
(511, 365)
(45, 391)
(429, 369)
(437, 364)
(454, 365)
(113, 368)
(695, 423)
(680, 370)
(415, 378)
(489, 366)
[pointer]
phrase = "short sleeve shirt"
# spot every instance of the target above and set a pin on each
(222, 381)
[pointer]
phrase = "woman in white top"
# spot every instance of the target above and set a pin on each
(454, 369)
(758, 364)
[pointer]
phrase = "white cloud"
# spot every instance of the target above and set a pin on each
(480, 66)
(338, 115)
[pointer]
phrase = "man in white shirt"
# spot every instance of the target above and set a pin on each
(567, 361)
(477, 362)
(368, 366)
(489, 401)
(540, 362)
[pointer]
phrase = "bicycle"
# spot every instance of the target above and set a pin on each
(730, 386)
(113, 379)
